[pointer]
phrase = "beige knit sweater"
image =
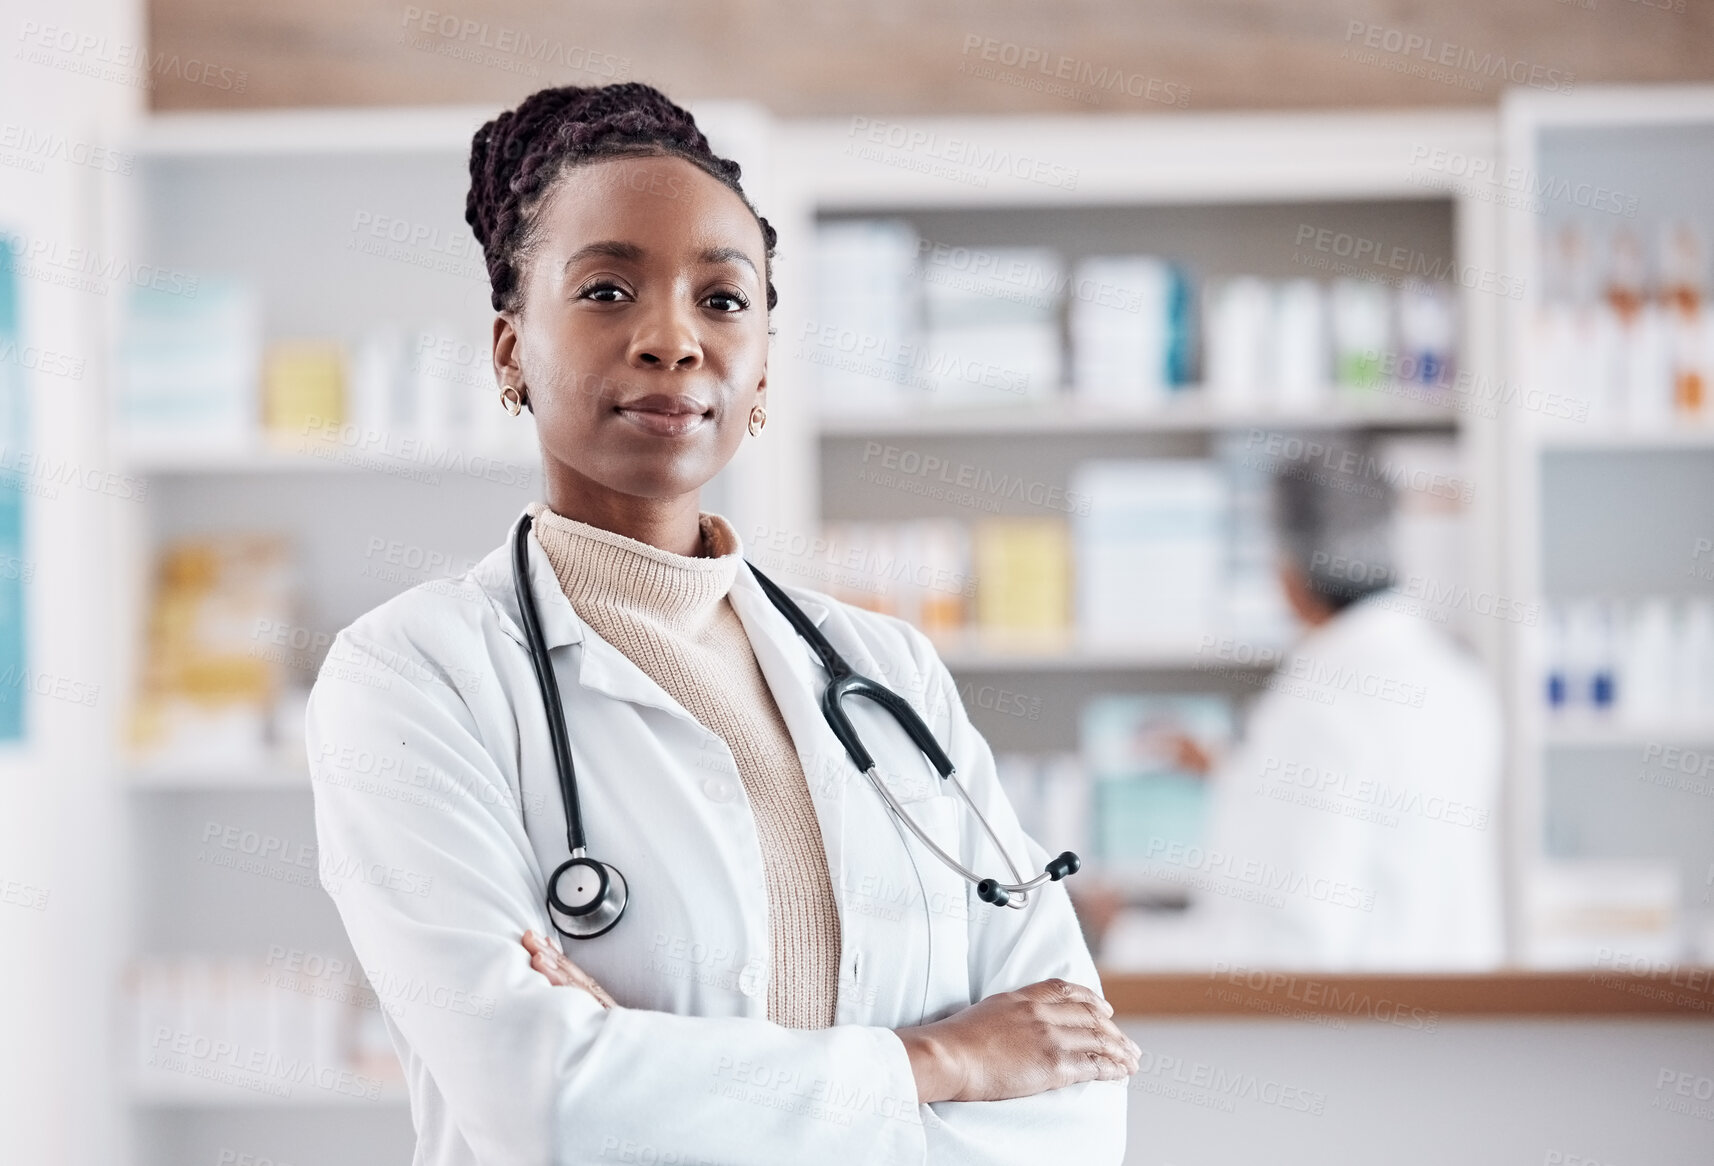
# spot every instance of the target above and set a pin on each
(670, 615)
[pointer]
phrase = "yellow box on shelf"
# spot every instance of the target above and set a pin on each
(303, 386)
(1023, 583)
(219, 652)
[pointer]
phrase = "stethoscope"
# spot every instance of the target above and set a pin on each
(586, 897)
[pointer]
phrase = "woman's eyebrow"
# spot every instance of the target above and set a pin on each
(726, 255)
(617, 249)
(606, 248)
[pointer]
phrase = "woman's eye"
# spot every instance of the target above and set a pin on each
(727, 301)
(603, 293)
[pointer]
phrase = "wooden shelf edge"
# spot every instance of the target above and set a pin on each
(1412, 1000)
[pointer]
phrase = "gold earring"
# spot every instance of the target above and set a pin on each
(758, 418)
(512, 399)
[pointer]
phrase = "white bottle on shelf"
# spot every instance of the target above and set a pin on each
(1065, 813)
(291, 1024)
(863, 347)
(1121, 321)
(244, 1011)
(1300, 368)
(1020, 777)
(1648, 369)
(1647, 669)
(1427, 330)
(1362, 333)
(442, 402)
(200, 1008)
(155, 993)
(1694, 675)
(1591, 671)
(379, 388)
(1555, 660)
(1240, 340)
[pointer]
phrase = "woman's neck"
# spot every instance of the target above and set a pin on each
(672, 524)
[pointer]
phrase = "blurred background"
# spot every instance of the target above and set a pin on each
(1292, 424)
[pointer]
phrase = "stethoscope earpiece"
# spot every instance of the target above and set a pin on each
(1066, 864)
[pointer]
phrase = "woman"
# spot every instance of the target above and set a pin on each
(794, 978)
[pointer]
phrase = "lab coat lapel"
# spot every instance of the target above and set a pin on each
(793, 672)
(601, 667)
(797, 679)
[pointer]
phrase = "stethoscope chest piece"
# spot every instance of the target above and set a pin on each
(586, 897)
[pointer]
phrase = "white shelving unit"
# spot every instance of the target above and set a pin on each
(1575, 787)
(1189, 415)
(1221, 193)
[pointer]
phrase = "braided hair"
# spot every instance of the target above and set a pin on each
(515, 159)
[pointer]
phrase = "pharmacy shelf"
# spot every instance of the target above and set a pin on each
(268, 776)
(865, 164)
(970, 654)
(1613, 437)
(163, 1090)
(276, 133)
(1651, 140)
(257, 459)
(1619, 735)
(1190, 412)
(320, 458)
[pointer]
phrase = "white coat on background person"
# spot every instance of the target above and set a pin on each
(1355, 826)
(439, 817)
(1360, 807)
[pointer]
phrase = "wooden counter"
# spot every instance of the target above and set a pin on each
(1413, 1000)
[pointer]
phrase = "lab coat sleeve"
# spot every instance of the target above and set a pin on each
(1010, 948)
(435, 896)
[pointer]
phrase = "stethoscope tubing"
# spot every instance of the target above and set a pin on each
(1018, 892)
(843, 681)
(549, 686)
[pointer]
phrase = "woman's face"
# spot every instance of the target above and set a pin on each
(642, 342)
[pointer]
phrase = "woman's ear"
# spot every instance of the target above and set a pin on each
(507, 367)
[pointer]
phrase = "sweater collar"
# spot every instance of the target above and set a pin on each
(602, 668)
(561, 624)
(596, 566)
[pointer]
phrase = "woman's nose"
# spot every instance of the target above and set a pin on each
(666, 339)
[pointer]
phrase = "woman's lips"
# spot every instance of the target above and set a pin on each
(664, 424)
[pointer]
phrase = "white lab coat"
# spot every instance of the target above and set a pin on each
(439, 818)
(1356, 826)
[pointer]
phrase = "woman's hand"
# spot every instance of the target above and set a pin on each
(1043, 1036)
(547, 959)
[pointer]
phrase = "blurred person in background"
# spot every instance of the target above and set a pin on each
(1353, 826)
